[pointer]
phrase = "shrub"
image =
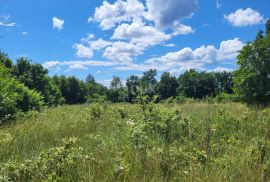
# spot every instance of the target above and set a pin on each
(15, 97)
(224, 97)
(57, 164)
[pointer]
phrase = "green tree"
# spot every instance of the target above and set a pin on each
(252, 79)
(167, 86)
(5, 60)
(133, 86)
(148, 82)
(76, 91)
(197, 84)
(117, 92)
(224, 82)
(34, 76)
(15, 97)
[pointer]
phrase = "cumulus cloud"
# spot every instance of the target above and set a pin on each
(58, 23)
(122, 52)
(51, 64)
(136, 26)
(229, 49)
(241, 17)
(99, 44)
(88, 38)
(166, 13)
(188, 58)
(180, 29)
(138, 33)
(83, 51)
(108, 15)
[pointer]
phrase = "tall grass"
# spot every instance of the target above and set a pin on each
(154, 142)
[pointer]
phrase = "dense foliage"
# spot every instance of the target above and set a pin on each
(15, 97)
(253, 76)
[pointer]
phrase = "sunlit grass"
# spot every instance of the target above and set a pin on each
(216, 142)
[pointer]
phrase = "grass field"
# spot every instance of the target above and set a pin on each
(148, 142)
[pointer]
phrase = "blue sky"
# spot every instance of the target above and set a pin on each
(124, 37)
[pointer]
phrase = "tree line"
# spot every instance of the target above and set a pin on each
(26, 86)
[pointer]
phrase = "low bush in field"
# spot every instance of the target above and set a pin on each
(57, 164)
(224, 97)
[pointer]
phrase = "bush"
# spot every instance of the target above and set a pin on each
(58, 164)
(224, 97)
(15, 97)
(96, 98)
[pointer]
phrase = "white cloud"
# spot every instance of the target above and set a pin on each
(180, 29)
(58, 23)
(170, 45)
(138, 33)
(166, 13)
(229, 49)
(218, 4)
(77, 67)
(5, 21)
(83, 51)
(51, 64)
(108, 15)
(75, 64)
(7, 24)
(243, 17)
(122, 52)
(188, 58)
(24, 33)
(99, 44)
(88, 38)
(222, 69)
(87, 51)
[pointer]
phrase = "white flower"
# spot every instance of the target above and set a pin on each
(130, 122)
(121, 168)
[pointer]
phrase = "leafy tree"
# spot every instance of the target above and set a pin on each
(224, 82)
(252, 79)
(15, 97)
(268, 26)
(133, 86)
(90, 79)
(4, 60)
(76, 91)
(95, 91)
(34, 76)
(167, 86)
(197, 85)
(148, 82)
(117, 92)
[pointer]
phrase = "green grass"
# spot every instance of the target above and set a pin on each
(166, 142)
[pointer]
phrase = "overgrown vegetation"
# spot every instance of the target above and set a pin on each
(139, 142)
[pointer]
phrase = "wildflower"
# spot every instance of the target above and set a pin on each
(130, 122)
(87, 157)
(121, 168)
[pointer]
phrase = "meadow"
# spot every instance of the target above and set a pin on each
(197, 141)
